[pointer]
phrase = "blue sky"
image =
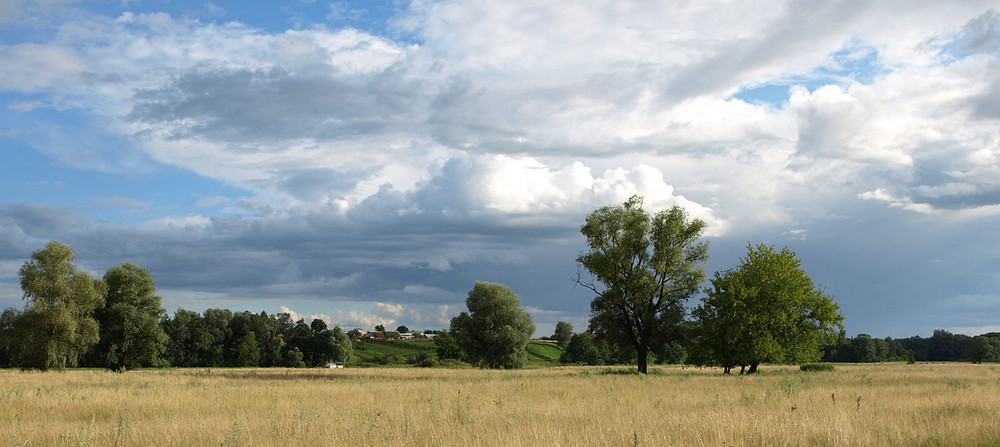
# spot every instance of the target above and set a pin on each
(367, 162)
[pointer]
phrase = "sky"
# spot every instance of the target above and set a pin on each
(366, 163)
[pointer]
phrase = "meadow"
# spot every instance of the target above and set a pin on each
(946, 404)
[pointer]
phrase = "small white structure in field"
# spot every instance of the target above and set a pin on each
(333, 365)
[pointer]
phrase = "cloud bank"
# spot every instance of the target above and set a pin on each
(389, 169)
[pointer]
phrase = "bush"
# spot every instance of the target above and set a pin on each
(810, 367)
(388, 359)
(582, 349)
(429, 363)
(420, 358)
(455, 364)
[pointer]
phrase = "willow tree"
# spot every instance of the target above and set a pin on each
(643, 268)
(57, 325)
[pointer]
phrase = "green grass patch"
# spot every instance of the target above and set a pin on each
(392, 352)
(542, 354)
(812, 367)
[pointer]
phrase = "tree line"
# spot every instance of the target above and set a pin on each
(942, 346)
(116, 322)
(641, 268)
(587, 349)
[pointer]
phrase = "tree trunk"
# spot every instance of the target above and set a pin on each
(642, 350)
(753, 368)
(743, 369)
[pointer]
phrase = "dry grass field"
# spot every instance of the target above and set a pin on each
(856, 405)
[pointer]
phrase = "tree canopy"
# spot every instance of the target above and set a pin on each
(562, 334)
(447, 347)
(765, 310)
(495, 330)
(130, 331)
(59, 316)
(644, 267)
(582, 349)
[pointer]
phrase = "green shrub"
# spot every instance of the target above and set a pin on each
(429, 363)
(420, 358)
(455, 364)
(809, 367)
(388, 359)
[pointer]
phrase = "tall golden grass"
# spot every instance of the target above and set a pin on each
(869, 405)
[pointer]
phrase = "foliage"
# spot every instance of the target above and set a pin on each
(388, 359)
(985, 348)
(647, 266)
(563, 332)
(343, 347)
(7, 336)
(368, 353)
(248, 351)
(672, 353)
(130, 333)
(268, 332)
(582, 349)
(217, 321)
(58, 318)
(496, 329)
(318, 325)
(765, 310)
(190, 343)
(429, 363)
(866, 349)
(293, 358)
(402, 329)
(215, 339)
(814, 367)
(454, 364)
(447, 347)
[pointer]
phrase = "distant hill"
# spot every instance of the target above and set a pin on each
(543, 353)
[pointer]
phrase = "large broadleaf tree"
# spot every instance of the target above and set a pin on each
(642, 268)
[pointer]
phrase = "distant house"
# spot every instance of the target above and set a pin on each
(406, 335)
(392, 335)
(431, 336)
(375, 336)
(334, 365)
